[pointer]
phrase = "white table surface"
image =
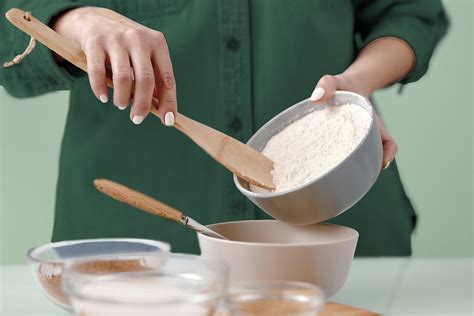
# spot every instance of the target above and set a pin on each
(391, 286)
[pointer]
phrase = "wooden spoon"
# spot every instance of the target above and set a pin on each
(244, 161)
(148, 204)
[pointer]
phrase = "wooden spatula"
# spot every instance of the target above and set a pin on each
(239, 158)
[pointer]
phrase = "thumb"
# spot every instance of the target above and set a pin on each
(325, 89)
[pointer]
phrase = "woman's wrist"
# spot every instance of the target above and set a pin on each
(65, 23)
(60, 23)
(380, 64)
(355, 82)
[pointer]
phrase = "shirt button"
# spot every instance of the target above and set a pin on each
(239, 206)
(51, 79)
(236, 124)
(233, 44)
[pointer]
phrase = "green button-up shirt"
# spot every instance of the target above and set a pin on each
(237, 64)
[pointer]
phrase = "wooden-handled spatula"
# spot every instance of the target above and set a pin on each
(244, 161)
(148, 204)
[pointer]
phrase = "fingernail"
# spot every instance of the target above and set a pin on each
(103, 98)
(169, 119)
(387, 165)
(121, 108)
(138, 119)
(317, 94)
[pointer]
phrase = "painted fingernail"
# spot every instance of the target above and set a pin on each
(103, 98)
(169, 119)
(387, 165)
(121, 108)
(317, 94)
(138, 119)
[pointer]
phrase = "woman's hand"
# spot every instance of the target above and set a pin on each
(324, 91)
(384, 61)
(137, 56)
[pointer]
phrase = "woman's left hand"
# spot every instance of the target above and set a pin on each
(324, 91)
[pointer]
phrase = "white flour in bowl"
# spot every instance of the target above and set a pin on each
(314, 144)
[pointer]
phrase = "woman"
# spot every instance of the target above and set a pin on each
(235, 64)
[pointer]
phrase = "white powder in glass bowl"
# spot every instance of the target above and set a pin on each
(147, 297)
(315, 144)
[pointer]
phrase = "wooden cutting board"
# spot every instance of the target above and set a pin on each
(336, 309)
(333, 309)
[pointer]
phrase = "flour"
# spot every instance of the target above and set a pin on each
(316, 143)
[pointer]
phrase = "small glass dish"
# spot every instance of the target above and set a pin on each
(119, 254)
(183, 285)
(275, 298)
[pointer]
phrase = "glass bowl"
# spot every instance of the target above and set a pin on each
(183, 285)
(101, 255)
(275, 298)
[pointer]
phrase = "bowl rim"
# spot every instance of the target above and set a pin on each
(371, 112)
(33, 253)
(316, 303)
(282, 245)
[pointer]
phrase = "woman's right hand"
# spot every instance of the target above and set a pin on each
(138, 56)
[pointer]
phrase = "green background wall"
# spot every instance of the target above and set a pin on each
(431, 120)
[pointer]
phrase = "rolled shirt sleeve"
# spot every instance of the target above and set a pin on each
(38, 72)
(420, 23)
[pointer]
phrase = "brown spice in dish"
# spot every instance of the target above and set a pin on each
(110, 266)
(272, 307)
(50, 274)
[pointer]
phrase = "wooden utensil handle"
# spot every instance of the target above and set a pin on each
(51, 39)
(136, 199)
(56, 42)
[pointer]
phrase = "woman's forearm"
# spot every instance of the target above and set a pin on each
(383, 62)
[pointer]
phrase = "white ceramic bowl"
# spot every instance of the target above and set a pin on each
(262, 250)
(333, 192)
